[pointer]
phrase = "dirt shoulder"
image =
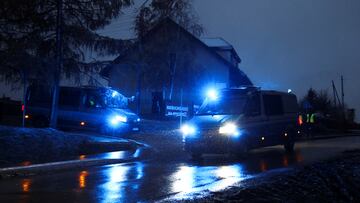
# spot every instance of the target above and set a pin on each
(336, 180)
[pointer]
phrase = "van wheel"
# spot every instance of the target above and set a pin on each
(40, 122)
(289, 146)
(290, 142)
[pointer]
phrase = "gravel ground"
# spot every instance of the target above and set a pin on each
(164, 138)
(336, 180)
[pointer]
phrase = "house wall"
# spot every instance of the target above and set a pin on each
(207, 70)
(215, 73)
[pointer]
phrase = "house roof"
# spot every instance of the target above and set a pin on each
(105, 72)
(219, 43)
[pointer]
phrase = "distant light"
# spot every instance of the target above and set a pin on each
(262, 138)
(212, 94)
(285, 134)
(27, 116)
(138, 120)
(82, 123)
(289, 91)
(22, 107)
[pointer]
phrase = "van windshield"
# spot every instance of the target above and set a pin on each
(223, 105)
(114, 99)
(107, 99)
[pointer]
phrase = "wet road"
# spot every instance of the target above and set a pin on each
(169, 174)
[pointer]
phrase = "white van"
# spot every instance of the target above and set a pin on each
(239, 119)
(97, 108)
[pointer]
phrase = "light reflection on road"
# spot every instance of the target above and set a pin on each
(82, 179)
(25, 184)
(117, 176)
(230, 175)
(214, 175)
(152, 180)
(115, 155)
(184, 179)
(191, 179)
(112, 189)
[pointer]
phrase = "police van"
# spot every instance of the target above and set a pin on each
(91, 108)
(240, 119)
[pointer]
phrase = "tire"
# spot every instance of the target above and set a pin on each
(290, 142)
(289, 146)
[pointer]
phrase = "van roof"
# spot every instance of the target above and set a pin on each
(247, 89)
(87, 87)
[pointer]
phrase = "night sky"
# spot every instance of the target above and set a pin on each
(291, 43)
(283, 44)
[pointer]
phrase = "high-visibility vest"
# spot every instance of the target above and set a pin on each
(310, 118)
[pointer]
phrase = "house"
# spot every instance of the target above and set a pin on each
(171, 65)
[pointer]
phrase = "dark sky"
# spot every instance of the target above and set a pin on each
(283, 44)
(294, 44)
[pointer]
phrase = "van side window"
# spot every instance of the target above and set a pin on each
(253, 106)
(273, 105)
(93, 100)
(69, 98)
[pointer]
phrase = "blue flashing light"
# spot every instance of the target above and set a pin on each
(114, 93)
(188, 130)
(212, 94)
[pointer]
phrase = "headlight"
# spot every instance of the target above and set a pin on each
(229, 129)
(188, 130)
(117, 119)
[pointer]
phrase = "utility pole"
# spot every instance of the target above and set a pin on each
(334, 92)
(24, 97)
(59, 64)
(336, 96)
(138, 89)
(342, 93)
(173, 69)
(343, 104)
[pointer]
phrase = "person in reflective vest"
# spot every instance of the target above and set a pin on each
(310, 118)
(310, 121)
